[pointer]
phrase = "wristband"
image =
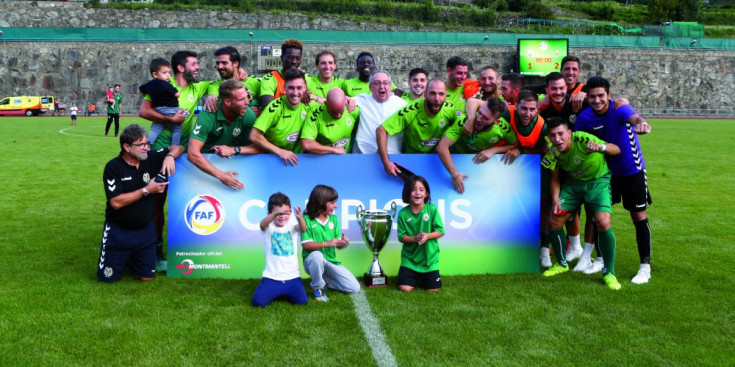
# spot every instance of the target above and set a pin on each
(604, 148)
(170, 155)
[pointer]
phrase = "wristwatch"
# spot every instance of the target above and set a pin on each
(145, 192)
(237, 150)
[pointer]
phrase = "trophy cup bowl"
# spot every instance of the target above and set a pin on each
(375, 226)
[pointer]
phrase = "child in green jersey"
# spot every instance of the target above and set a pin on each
(322, 236)
(419, 227)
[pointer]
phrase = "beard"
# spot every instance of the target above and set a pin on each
(189, 77)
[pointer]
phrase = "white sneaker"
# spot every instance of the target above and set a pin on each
(545, 257)
(574, 252)
(595, 267)
(643, 276)
(584, 263)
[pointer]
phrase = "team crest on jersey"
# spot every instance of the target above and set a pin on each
(236, 132)
(494, 140)
(426, 217)
(146, 177)
(303, 114)
(293, 137)
(191, 98)
(348, 121)
(576, 159)
(331, 225)
(341, 143)
(107, 272)
(572, 118)
(442, 123)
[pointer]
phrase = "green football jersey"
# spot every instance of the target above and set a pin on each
(328, 131)
(500, 134)
(456, 96)
(423, 258)
(406, 96)
(421, 133)
(577, 163)
(281, 124)
(118, 100)
(253, 85)
(321, 232)
(188, 100)
(212, 128)
(319, 89)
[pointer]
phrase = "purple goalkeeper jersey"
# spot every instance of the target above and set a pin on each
(613, 127)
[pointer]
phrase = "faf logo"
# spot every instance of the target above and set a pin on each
(186, 267)
(204, 215)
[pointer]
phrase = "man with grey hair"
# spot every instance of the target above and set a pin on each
(375, 108)
(131, 180)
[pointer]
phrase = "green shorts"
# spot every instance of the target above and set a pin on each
(595, 194)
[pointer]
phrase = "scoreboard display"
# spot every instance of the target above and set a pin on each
(539, 57)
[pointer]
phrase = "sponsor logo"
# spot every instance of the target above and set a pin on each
(111, 185)
(341, 142)
(188, 266)
(124, 179)
(236, 132)
(430, 143)
(204, 215)
(220, 128)
(197, 127)
(293, 137)
(598, 127)
(146, 177)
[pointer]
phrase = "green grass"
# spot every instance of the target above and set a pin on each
(56, 313)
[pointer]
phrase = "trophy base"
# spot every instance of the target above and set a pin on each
(374, 281)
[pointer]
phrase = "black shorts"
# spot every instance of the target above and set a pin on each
(121, 247)
(632, 191)
(429, 280)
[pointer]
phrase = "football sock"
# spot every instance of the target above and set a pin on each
(558, 242)
(606, 241)
(643, 237)
(574, 241)
(587, 252)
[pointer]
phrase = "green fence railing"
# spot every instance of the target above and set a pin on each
(11, 34)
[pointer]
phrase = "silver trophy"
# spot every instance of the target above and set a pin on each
(376, 226)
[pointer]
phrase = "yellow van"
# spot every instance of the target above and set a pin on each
(26, 105)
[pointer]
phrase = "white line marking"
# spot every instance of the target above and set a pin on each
(371, 327)
(63, 131)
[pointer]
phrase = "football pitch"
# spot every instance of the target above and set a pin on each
(56, 313)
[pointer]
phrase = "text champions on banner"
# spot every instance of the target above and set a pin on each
(213, 231)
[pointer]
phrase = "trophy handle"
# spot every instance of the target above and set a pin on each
(358, 214)
(393, 209)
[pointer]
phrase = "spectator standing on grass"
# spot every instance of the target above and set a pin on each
(90, 109)
(130, 184)
(113, 111)
(73, 113)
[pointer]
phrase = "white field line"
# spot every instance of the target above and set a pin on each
(63, 131)
(374, 335)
